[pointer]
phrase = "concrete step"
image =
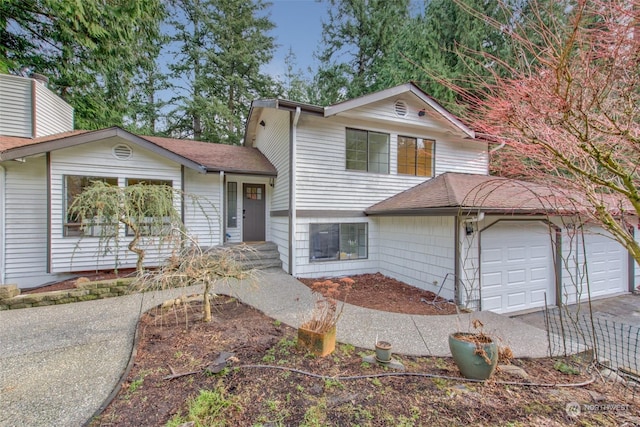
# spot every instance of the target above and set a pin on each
(258, 255)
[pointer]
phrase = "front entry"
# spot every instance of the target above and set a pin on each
(253, 213)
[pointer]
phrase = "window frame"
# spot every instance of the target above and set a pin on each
(339, 241)
(352, 146)
(150, 224)
(429, 156)
(232, 204)
(74, 229)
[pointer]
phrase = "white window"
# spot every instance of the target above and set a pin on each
(367, 151)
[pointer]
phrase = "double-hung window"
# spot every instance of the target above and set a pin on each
(367, 151)
(338, 241)
(415, 156)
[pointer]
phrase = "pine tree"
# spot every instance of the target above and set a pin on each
(219, 48)
(90, 50)
(363, 31)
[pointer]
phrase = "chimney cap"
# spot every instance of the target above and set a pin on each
(40, 78)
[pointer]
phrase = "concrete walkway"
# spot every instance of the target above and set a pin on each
(58, 364)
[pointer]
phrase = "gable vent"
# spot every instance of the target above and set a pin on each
(401, 108)
(122, 152)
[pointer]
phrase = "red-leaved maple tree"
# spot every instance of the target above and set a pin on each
(568, 110)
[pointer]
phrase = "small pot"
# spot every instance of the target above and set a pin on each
(474, 360)
(383, 351)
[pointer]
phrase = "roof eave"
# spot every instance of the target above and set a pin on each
(242, 172)
(95, 136)
(463, 210)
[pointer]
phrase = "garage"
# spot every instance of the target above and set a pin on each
(516, 266)
(607, 266)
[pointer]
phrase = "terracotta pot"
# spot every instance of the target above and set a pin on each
(383, 351)
(475, 360)
(320, 344)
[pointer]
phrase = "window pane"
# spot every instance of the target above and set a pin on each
(151, 207)
(378, 152)
(74, 185)
(324, 241)
(406, 155)
(353, 241)
(424, 158)
(356, 149)
(232, 204)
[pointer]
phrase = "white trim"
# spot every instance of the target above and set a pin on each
(293, 208)
(3, 191)
(333, 110)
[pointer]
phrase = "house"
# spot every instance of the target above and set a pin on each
(388, 182)
(44, 163)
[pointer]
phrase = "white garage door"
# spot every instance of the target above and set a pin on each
(607, 262)
(516, 266)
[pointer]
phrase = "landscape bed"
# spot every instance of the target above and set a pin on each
(175, 341)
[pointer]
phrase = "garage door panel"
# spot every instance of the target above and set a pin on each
(492, 255)
(492, 303)
(516, 254)
(492, 280)
(538, 297)
(539, 273)
(526, 263)
(516, 277)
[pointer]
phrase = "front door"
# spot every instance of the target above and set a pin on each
(253, 213)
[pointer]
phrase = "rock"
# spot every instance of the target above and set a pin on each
(82, 281)
(9, 291)
(514, 371)
(612, 376)
(392, 364)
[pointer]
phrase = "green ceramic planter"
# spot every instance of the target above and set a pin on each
(383, 352)
(472, 365)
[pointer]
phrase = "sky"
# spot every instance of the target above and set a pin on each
(299, 26)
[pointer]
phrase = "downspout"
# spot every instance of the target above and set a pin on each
(456, 266)
(49, 243)
(223, 209)
(292, 193)
(3, 192)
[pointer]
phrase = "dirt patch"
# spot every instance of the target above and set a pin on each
(243, 394)
(380, 292)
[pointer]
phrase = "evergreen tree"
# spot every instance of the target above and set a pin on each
(295, 86)
(220, 47)
(90, 50)
(364, 32)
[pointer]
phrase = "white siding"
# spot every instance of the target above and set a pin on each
(96, 159)
(419, 251)
(323, 183)
(15, 106)
(455, 155)
(53, 115)
(385, 112)
(273, 142)
(280, 236)
(306, 268)
(25, 200)
(202, 210)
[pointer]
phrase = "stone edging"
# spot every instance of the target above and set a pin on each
(10, 297)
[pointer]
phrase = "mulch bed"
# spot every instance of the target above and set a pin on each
(379, 292)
